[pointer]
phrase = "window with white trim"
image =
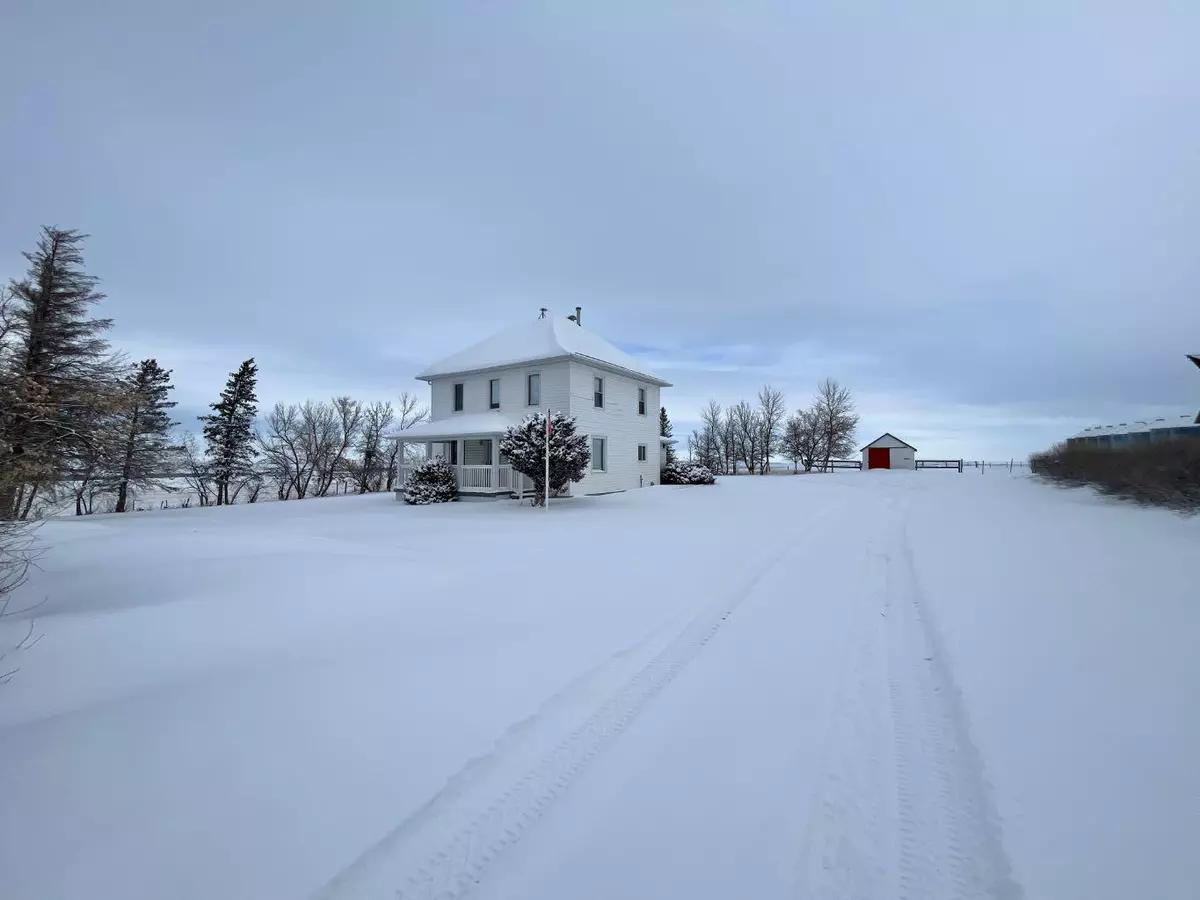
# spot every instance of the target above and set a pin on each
(641, 401)
(533, 389)
(599, 461)
(598, 391)
(458, 397)
(494, 393)
(641, 452)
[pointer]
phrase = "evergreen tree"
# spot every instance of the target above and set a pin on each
(145, 425)
(56, 371)
(229, 430)
(525, 447)
(665, 430)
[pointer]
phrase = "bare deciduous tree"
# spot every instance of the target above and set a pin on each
(729, 440)
(802, 440)
(748, 436)
(837, 421)
(335, 428)
(285, 451)
(409, 412)
(197, 472)
(771, 413)
(372, 463)
(708, 448)
(706, 445)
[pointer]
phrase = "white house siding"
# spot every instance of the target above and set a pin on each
(620, 425)
(555, 391)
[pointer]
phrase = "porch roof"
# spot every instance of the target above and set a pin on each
(467, 425)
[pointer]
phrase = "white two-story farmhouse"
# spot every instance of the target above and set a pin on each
(551, 363)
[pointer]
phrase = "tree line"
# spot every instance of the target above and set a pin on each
(80, 422)
(298, 450)
(751, 435)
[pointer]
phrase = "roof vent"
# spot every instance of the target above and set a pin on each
(578, 317)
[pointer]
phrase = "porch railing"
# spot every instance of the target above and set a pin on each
(474, 478)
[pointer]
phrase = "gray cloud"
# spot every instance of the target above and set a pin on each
(982, 218)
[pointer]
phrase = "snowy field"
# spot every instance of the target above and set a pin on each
(889, 685)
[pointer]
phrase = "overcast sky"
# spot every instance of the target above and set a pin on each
(983, 217)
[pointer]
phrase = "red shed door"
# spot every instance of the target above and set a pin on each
(879, 458)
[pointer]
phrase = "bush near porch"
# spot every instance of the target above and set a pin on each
(432, 481)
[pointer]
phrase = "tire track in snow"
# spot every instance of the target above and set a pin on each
(950, 838)
(444, 848)
(843, 848)
(905, 810)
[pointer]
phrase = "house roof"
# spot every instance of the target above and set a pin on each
(554, 337)
(1194, 358)
(893, 437)
(456, 426)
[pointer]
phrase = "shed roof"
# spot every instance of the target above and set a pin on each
(888, 434)
(554, 337)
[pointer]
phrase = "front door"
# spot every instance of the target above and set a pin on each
(879, 458)
(452, 452)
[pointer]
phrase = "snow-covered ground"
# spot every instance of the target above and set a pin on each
(883, 685)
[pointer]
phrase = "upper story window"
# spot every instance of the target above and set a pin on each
(598, 392)
(458, 397)
(533, 390)
(494, 394)
(641, 401)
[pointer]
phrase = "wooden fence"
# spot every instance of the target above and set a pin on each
(940, 464)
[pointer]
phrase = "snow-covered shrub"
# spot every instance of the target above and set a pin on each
(684, 472)
(431, 482)
(525, 447)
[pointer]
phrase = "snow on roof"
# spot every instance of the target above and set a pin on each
(456, 426)
(554, 337)
(888, 434)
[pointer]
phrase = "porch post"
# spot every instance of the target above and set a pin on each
(495, 462)
(462, 457)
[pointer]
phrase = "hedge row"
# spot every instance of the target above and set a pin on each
(1159, 474)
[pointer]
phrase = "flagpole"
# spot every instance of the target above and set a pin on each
(547, 501)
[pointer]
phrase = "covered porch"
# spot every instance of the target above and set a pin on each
(476, 464)
(471, 445)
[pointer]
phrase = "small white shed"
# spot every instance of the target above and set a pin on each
(889, 452)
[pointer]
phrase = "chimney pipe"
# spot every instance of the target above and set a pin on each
(579, 316)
